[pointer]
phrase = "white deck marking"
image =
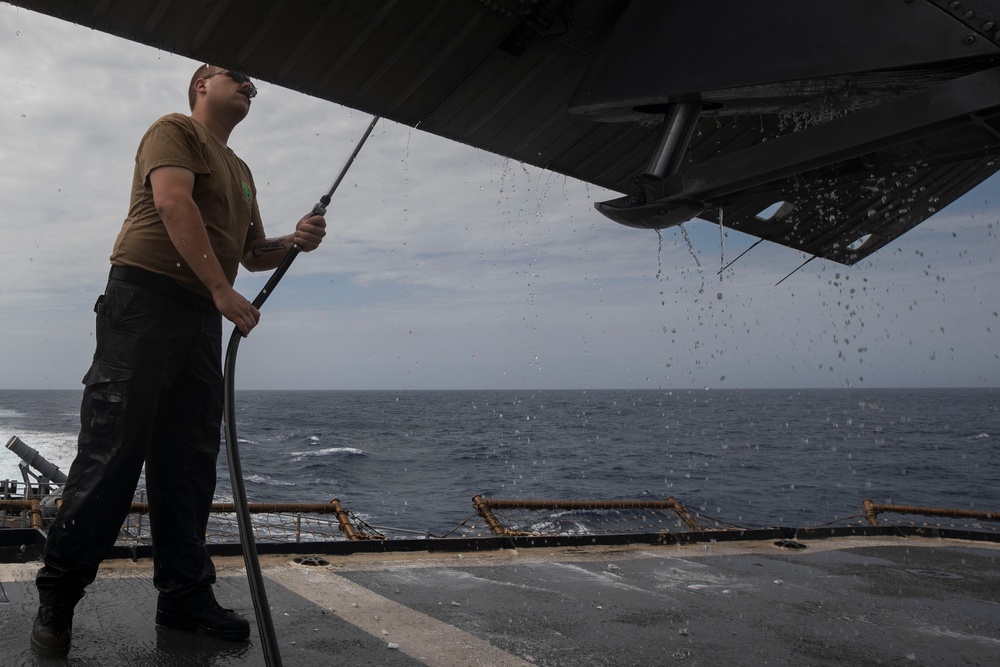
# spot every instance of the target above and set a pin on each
(420, 636)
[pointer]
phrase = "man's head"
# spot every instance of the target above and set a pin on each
(206, 72)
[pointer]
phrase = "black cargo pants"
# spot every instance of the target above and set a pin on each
(153, 395)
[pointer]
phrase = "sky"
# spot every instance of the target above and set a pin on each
(447, 267)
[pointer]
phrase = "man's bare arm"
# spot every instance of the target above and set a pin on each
(266, 254)
(172, 190)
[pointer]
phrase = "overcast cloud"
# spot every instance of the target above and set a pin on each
(450, 268)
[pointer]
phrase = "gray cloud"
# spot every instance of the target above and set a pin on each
(447, 267)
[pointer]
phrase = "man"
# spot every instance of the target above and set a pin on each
(154, 392)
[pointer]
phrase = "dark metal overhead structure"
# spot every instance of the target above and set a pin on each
(829, 127)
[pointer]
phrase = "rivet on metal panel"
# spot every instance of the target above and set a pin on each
(969, 39)
(954, 5)
(988, 25)
(969, 15)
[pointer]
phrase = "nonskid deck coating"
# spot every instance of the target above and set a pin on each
(858, 601)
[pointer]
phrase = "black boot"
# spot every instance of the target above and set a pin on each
(53, 630)
(198, 611)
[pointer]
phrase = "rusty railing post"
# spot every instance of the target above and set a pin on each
(483, 509)
(870, 511)
(344, 520)
(683, 514)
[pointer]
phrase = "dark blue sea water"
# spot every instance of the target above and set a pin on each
(414, 459)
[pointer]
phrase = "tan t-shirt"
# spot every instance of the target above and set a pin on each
(223, 190)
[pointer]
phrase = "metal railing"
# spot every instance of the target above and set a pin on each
(871, 510)
(506, 517)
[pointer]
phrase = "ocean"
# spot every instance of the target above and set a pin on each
(412, 460)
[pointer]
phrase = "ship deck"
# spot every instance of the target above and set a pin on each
(841, 600)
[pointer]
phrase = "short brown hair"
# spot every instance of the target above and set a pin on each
(198, 74)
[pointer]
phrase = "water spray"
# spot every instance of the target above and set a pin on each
(262, 611)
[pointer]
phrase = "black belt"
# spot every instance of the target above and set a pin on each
(160, 284)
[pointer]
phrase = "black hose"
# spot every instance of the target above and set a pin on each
(262, 611)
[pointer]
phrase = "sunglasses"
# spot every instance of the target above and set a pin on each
(239, 78)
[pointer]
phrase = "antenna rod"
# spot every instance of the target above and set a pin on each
(797, 268)
(758, 242)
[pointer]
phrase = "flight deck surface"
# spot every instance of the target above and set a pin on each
(857, 601)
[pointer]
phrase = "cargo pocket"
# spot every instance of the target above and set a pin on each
(117, 330)
(102, 411)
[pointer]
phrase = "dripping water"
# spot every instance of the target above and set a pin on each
(663, 300)
(687, 239)
(659, 263)
(722, 244)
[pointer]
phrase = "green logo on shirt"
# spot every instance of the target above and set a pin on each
(246, 190)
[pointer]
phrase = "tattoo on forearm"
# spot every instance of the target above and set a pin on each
(268, 246)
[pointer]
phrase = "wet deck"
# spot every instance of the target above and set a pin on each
(840, 601)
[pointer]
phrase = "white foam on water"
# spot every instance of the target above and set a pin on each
(264, 479)
(331, 451)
